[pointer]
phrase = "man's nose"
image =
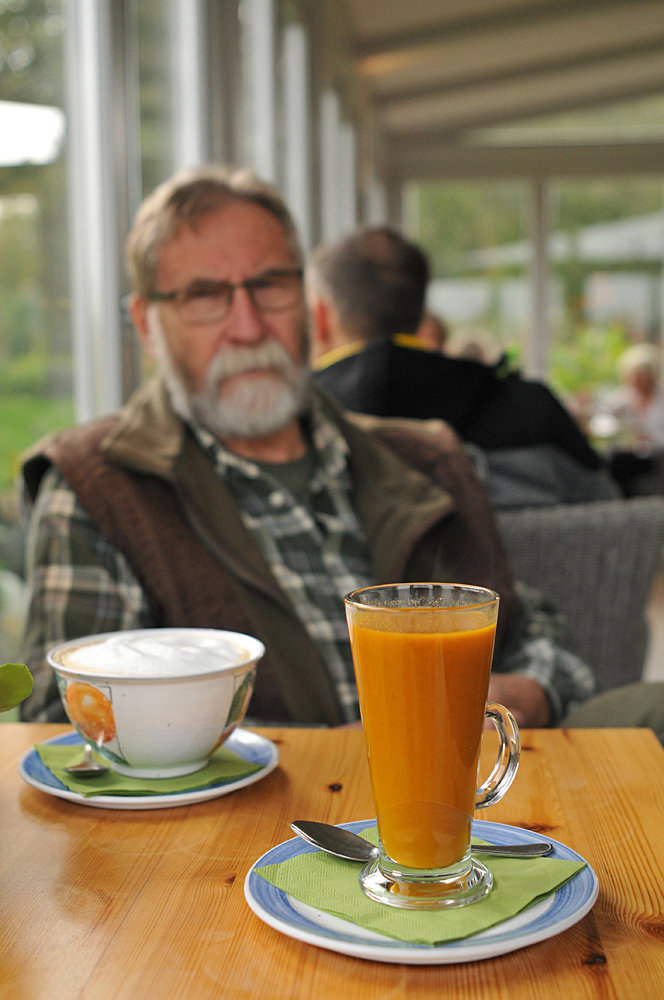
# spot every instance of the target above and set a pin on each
(244, 323)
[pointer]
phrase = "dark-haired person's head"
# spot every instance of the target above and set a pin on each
(374, 281)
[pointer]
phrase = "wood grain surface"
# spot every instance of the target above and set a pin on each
(149, 905)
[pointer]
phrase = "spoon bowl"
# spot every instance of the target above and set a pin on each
(344, 844)
(88, 767)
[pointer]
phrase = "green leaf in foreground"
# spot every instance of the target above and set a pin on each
(15, 685)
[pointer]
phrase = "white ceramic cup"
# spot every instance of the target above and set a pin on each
(157, 702)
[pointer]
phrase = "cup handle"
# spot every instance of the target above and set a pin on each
(507, 763)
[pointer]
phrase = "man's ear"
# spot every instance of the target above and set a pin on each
(322, 332)
(138, 310)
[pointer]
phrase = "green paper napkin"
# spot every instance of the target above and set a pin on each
(224, 765)
(331, 884)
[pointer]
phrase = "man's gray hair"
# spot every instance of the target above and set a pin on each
(185, 199)
(376, 280)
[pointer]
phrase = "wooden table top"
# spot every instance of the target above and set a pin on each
(149, 905)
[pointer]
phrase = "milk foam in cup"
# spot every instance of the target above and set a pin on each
(153, 653)
(157, 702)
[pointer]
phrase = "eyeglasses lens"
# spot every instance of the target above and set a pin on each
(269, 294)
(206, 306)
(277, 292)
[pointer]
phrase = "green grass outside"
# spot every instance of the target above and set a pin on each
(23, 420)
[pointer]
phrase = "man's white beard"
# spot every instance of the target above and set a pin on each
(245, 408)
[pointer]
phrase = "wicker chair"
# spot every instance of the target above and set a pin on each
(597, 562)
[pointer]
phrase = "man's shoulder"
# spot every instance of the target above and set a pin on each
(406, 433)
(338, 365)
(402, 457)
(81, 441)
(145, 436)
(356, 380)
(425, 359)
(396, 350)
(516, 383)
(391, 379)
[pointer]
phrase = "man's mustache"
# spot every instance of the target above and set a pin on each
(233, 361)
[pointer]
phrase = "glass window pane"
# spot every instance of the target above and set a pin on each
(35, 344)
(155, 82)
(607, 245)
(476, 237)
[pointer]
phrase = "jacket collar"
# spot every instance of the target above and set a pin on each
(151, 438)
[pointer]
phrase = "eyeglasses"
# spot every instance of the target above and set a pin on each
(210, 301)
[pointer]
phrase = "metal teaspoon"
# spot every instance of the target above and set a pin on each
(345, 844)
(88, 767)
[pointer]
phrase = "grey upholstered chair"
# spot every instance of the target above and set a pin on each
(597, 561)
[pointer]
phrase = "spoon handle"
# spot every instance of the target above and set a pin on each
(537, 850)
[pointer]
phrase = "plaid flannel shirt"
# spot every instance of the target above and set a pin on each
(317, 551)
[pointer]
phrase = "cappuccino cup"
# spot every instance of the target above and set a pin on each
(157, 702)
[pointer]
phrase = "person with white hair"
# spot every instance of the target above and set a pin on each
(639, 403)
(631, 420)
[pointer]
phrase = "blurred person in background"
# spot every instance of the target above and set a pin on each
(639, 403)
(367, 295)
(433, 332)
(475, 343)
(632, 417)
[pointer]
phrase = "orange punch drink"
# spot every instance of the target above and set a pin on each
(422, 656)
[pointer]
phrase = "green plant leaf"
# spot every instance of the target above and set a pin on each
(15, 685)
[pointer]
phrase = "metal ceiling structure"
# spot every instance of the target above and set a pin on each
(433, 72)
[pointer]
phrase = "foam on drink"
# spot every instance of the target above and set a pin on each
(167, 653)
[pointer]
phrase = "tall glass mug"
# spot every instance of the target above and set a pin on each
(422, 655)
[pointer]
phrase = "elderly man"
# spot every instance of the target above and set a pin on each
(230, 493)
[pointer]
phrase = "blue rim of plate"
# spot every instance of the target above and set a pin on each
(568, 905)
(250, 746)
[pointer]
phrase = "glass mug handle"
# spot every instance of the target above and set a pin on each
(507, 763)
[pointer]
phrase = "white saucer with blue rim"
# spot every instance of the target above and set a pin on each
(545, 919)
(250, 746)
